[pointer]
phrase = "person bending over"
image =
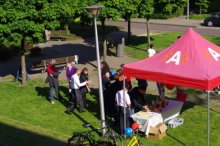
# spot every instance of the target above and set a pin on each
(135, 94)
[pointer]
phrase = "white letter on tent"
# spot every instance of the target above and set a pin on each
(175, 58)
(214, 54)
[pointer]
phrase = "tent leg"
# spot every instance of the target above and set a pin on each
(158, 88)
(208, 117)
(124, 105)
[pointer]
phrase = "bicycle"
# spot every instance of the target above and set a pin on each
(134, 141)
(86, 138)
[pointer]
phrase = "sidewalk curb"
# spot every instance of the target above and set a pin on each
(175, 25)
(181, 25)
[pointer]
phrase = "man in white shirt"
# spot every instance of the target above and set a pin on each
(119, 99)
(151, 51)
(75, 85)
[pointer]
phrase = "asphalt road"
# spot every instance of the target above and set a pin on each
(140, 28)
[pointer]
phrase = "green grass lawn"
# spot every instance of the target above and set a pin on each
(138, 45)
(28, 119)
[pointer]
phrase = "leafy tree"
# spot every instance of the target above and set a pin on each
(109, 12)
(80, 12)
(169, 6)
(129, 10)
(146, 8)
(26, 20)
(203, 6)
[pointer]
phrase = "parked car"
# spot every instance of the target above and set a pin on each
(212, 20)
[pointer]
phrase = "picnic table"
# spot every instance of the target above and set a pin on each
(153, 118)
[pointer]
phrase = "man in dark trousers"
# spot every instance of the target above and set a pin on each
(70, 70)
(52, 79)
(106, 95)
(114, 88)
(135, 94)
(121, 105)
(75, 86)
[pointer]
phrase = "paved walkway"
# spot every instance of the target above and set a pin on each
(86, 51)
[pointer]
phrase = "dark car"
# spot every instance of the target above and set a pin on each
(212, 20)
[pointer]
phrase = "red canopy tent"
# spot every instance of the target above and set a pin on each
(191, 61)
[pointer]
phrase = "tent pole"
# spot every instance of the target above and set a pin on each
(124, 105)
(158, 88)
(208, 117)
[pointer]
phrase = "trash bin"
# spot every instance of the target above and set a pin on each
(120, 49)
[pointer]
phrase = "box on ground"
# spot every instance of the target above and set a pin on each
(173, 123)
(157, 132)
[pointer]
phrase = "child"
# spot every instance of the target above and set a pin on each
(151, 51)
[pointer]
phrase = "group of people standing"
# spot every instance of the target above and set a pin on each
(78, 85)
(114, 97)
(112, 83)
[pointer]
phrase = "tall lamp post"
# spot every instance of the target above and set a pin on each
(188, 9)
(95, 11)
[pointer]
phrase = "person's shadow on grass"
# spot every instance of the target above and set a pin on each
(44, 92)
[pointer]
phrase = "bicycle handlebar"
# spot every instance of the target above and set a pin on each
(106, 121)
(101, 128)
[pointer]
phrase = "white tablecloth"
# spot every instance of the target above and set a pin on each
(145, 121)
(153, 118)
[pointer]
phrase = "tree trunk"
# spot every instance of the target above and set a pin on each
(104, 40)
(148, 30)
(23, 68)
(200, 9)
(67, 28)
(129, 31)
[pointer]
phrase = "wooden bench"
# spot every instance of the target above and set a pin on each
(59, 35)
(57, 38)
(60, 62)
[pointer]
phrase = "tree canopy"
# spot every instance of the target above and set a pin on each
(28, 19)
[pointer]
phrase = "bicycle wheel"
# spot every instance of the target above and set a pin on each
(79, 140)
(104, 142)
(115, 139)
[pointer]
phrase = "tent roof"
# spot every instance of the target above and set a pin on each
(191, 61)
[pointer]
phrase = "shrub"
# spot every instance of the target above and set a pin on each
(159, 16)
(35, 51)
(198, 17)
(5, 54)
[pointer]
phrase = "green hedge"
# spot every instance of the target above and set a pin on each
(198, 17)
(159, 16)
(214, 6)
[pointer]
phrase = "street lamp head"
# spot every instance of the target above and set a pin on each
(94, 10)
